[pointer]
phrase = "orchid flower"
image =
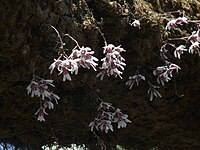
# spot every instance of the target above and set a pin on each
(153, 92)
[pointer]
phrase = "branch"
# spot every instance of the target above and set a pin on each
(62, 44)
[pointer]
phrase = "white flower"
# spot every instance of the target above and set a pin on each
(121, 119)
(54, 97)
(55, 64)
(48, 104)
(135, 79)
(174, 22)
(136, 23)
(112, 61)
(105, 125)
(195, 37)
(41, 112)
(181, 20)
(153, 92)
(194, 47)
(108, 48)
(170, 24)
(179, 50)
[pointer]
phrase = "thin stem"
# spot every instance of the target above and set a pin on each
(62, 44)
(102, 35)
(73, 40)
(172, 12)
(194, 21)
(177, 39)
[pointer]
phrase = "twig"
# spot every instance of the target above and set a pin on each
(102, 35)
(62, 44)
(77, 45)
(177, 39)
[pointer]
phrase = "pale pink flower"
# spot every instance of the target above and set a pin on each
(163, 51)
(194, 48)
(40, 113)
(112, 62)
(195, 37)
(55, 64)
(84, 57)
(95, 124)
(134, 79)
(106, 115)
(105, 106)
(105, 125)
(48, 104)
(54, 97)
(179, 51)
(174, 22)
(164, 73)
(160, 70)
(181, 20)
(153, 92)
(121, 119)
(171, 24)
(171, 68)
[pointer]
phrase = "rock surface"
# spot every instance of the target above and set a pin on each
(28, 46)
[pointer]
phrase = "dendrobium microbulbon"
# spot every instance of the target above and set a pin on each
(153, 92)
(80, 57)
(195, 37)
(108, 115)
(134, 79)
(179, 51)
(164, 73)
(40, 113)
(121, 119)
(40, 87)
(112, 62)
(194, 48)
(174, 22)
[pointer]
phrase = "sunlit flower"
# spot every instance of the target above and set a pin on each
(55, 64)
(195, 37)
(179, 51)
(84, 57)
(174, 22)
(136, 23)
(194, 48)
(171, 68)
(112, 62)
(171, 24)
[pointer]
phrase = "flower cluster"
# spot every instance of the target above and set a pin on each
(164, 73)
(174, 22)
(108, 115)
(134, 79)
(81, 57)
(39, 87)
(112, 61)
